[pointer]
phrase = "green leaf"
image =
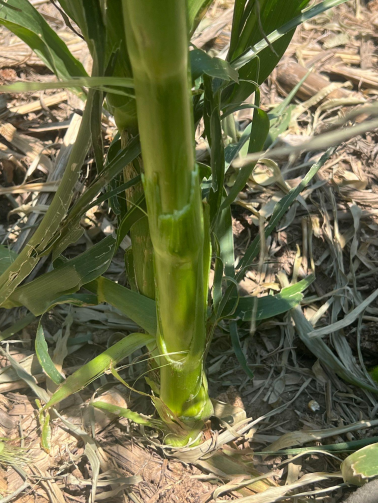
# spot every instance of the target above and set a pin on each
(238, 349)
(96, 40)
(135, 306)
(259, 133)
(44, 358)
(17, 327)
(237, 25)
(87, 199)
(276, 34)
(225, 237)
(101, 83)
(127, 413)
(340, 447)
(213, 130)
(137, 212)
(374, 374)
(123, 108)
(252, 24)
(232, 150)
(26, 376)
(280, 116)
(202, 63)
(96, 367)
(271, 305)
(323, 352)
(40, 294)
(74, 9)
(361, 466)
(25, 21)
(7, 257)
(278, 126)
(119, 189)
(96, 33)
(196, 10)
(350, 318)
(281, 207)
(218, 276)
(29, 257)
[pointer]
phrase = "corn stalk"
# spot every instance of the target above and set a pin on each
(157, 39)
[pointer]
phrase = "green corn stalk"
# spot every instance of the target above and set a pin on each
(157, 38)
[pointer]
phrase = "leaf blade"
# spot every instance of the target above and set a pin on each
(96, 367)
(44, 358)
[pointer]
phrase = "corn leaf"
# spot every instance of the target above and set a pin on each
(22, 19)
(26, 376)
(271, 305)
(107, 84)
(225, 238)
(282, 30)
(374, 374)
(217, 164)
(259, 133)
(252, 23)
(137, 212)
(340, 447)
(196, 10)
(96, 33)
(202, 63)
(238, 349)
(281, 207)
(361, 466)
(17, 327)
(135, 306)
(96, 41)
(40, 294)
(127, 413)
(76, 299)
(87, 199)
(70, 11)
(218, 275)
(279, 211)
(96, 367)
(347, 320)
(214, 134)
(320, 349)
(44, 358)
(29, 257)
(7, 257)
(232, 150)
